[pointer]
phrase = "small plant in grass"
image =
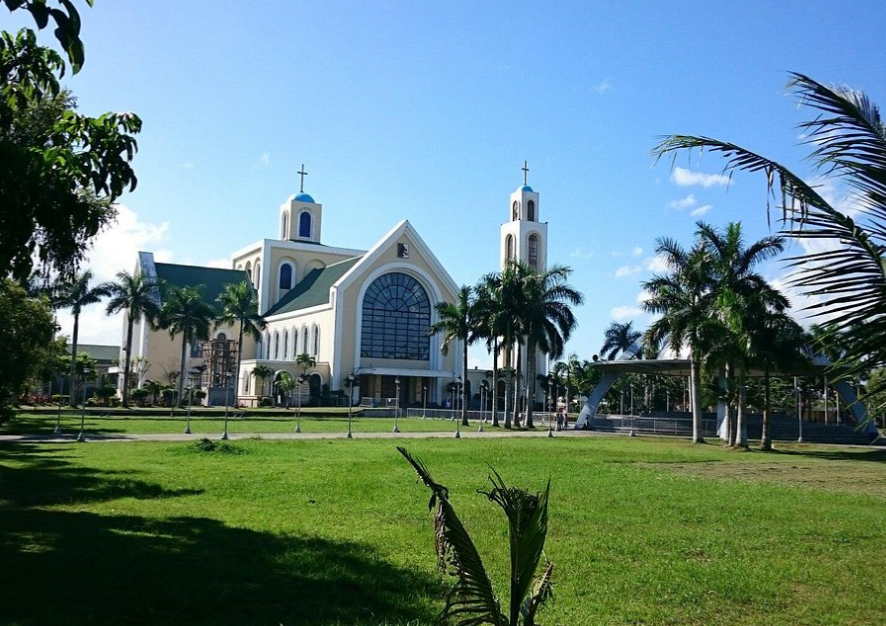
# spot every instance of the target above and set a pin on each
(472, 601)
(139, 395)
(223, 447)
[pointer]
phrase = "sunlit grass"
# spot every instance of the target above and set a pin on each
(338, 532)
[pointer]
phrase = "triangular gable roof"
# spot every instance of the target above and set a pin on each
(403, 227)
(213, 279)
(313, 289)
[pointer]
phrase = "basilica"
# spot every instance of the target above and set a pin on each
(362, 316)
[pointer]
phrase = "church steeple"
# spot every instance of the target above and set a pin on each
(524, 238)
(300, 216)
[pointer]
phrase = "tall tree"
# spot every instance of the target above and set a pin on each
(548, 319)
(454, 322)
(512, 296)
(619, 338)
(487, 318)
(680, 299)
(138, 297)
(186, 313)
(264, 372)
(76, 295)
(239, 305)
(847, 140)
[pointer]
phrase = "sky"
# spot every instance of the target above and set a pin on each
(426, 111)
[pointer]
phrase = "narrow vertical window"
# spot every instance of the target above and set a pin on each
(530, 211)
(509, 247)
(304, 224)
(533, 251)
(285, 276)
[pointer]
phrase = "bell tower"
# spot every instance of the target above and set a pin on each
(523, 237)
(300, 216)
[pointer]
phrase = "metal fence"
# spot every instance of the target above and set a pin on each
(653, 425)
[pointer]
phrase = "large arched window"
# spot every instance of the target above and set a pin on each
(249, 269)
(533, 251)
(304, 224)
(530, 211)
(267, 346)
(509, 248)
(315, 331)
(294, 342)
(304, 340)
(285, 281)
(257, 281)
(285, 344)
(396, 319)
(284, 226)
(276, 345)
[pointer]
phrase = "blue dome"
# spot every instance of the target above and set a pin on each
(526, 188)
(303, 197)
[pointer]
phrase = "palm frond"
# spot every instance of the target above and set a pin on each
(472, 600)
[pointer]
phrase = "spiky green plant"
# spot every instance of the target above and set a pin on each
(472, 600)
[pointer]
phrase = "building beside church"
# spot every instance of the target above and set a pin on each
(360, 312)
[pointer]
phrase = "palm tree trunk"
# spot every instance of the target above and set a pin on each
(495, 383)
(72, 400)
(239, 359)
(765, 440)
(530, 384)
(464, 387)
(127, 363)
(727, 415)
(694, 382)
(181, 376)
(517, 393)
(740, 440)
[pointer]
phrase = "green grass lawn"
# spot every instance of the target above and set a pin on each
(25, 423)
(642, 531)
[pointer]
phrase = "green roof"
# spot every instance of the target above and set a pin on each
(313, 289)
(99, 353)
(213, 279)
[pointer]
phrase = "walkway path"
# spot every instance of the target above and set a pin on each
(465, 434)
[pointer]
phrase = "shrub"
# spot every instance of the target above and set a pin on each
(266, 401)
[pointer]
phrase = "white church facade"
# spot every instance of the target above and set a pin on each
(364, 313)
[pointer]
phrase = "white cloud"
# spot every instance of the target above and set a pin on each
(627, 270)
(643, 296)
(656, 264)
(687, 178)
(638, 251)
(682, 203)
(604, 86)
(581, 253)
(623, 312)
(188, 165)
(265, 158)
(115, 250)
(224, 263)
(701, 210)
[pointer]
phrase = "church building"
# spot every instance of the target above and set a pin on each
(364, 313)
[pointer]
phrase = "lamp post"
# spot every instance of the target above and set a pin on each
(424, 402)
(350, 380)
(58, 417)
(550, 405)
(190, 399)
(397, 409)
(228, 375)
(456, 394)
(633, 432)
(799, 411)
(301, 381)
(81, 437)
(484, 396)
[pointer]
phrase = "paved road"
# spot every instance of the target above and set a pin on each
(466, 434)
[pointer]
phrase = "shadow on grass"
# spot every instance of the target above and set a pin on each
(871, 455)
(73, 567)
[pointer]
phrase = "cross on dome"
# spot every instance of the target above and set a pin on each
(302, 173)
(525, 172)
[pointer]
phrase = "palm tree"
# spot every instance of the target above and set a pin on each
(239, 305)
(76, 295)
(286, 383)
(305, 361)
(848, 142)
(619, 338)
(739, 295)
(137, 296)
(680, 298)
(486, 318)
(512, 299)
(454, 321)
(472, 600)
(265, 373)
(186, 313)
(548, 319)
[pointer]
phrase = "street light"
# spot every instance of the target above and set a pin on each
(301, 381)
(81, 437)
(397, 409)
(799, 411)
(350, 381)
(424, 405)
(456, 392)
(190, 399)
(228, 375)
(550, 392)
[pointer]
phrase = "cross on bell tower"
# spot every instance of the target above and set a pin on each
(302, 173)
(525, 172)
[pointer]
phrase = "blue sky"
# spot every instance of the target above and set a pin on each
(426, 111)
